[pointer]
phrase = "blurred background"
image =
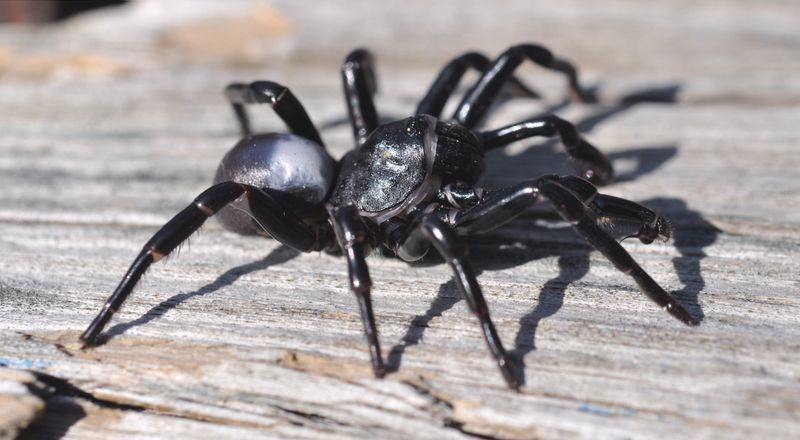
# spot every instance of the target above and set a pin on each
(152, 68)
(725, 38)
(157, 53)
(42, 11)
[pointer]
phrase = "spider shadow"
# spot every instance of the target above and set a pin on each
(446, 298)
(279, 255)
(488, 256)
(573, 261)
(60, 413)
(573, 265)
(692, 234)
(550, 156)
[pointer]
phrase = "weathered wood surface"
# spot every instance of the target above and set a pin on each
(107, 138)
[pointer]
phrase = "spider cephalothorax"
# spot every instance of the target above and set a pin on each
(407, 186)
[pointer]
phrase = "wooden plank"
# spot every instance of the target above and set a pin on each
(239, 336)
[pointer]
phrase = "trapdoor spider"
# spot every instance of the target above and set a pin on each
(407, 185)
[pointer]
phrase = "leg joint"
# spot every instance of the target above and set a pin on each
(535, 53)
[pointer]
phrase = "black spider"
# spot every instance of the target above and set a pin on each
(407, 185)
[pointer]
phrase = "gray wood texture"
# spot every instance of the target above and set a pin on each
(112, 123)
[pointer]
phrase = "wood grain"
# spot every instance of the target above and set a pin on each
(241, 337)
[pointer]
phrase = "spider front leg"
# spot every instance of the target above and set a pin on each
(283, 102)
(566, 195)
(358, 79)
(431, 229)
(353, 238)
(595, 166)
(275, 217)
(481, 96)
(449, 77)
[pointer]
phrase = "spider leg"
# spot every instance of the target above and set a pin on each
(619, 217)
(640, 221)
(497, 208)
(358, 79)
(283, 102)
(572, 210)
(449, 77)
(352, 235)
(275, 217)
(566, 196)
(478, 99)
(431, 229)
(595, 166)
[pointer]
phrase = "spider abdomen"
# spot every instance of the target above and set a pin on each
(285, 162)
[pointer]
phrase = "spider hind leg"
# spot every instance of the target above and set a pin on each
(275, 216)
(283, 102)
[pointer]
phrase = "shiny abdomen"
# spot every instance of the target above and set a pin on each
(285, 162)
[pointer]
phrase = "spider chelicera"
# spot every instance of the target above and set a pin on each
(408, 185)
